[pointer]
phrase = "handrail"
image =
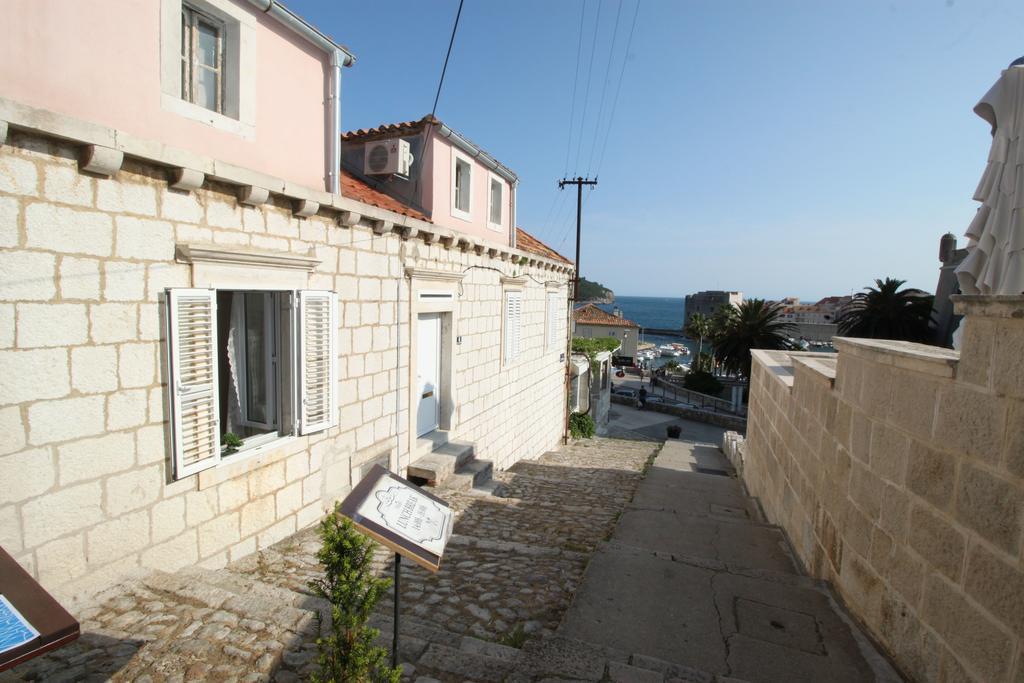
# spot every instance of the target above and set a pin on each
(695, 397)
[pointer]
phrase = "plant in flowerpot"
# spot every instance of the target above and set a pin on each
(673, 431)
(230, 443)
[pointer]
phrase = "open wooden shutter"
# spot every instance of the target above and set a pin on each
(317, 357)
(192, 356)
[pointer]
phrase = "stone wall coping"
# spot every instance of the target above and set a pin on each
(200, 253)
(988, 306)
(825, 368)
(61, 126)
(929, 360)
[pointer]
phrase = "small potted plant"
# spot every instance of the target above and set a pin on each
(673, 431)
(230, 443)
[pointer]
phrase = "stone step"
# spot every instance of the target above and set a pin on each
(436, 467)
(561, 657)
(192, 587)
(470, 663)
(473, 474)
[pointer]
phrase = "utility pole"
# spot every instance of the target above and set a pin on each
(579, 182)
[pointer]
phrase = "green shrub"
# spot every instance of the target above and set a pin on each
(231, 442)
(347, 653)
(704, 382)
(581, 426)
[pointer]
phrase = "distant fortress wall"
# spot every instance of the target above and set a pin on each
(820, 332)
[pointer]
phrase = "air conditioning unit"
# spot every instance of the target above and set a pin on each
(387, 157)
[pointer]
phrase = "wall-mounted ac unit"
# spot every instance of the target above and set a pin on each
(387, 157)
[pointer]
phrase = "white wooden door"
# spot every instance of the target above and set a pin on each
(428, 372)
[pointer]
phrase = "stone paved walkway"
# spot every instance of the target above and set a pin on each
(513, 565)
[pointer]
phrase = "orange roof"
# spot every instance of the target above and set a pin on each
(357, 189)
(528, 242)
(388, 130)
(589, 314)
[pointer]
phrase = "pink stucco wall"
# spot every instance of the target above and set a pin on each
(441, 196)
(99, 60)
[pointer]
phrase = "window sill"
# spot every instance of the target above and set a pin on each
(462, 215)
(245, 461)
(496, 227)
(188, 110)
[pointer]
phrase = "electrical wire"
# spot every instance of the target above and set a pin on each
(572, 109)
(618, 88)
(604, 89)
(445, 67)
(586, 95)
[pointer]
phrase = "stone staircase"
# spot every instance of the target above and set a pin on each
(450, 464)
(531, 563)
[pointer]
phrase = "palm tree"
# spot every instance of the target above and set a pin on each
(886, 312)
(753, 324)
(698, 326)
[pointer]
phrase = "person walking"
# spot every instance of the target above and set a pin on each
(642, 398)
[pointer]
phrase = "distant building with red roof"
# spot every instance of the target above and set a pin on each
(590, 321)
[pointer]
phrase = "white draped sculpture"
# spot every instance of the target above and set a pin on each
(995, 246)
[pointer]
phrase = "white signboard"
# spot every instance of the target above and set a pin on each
(401, 515)
(408, 513)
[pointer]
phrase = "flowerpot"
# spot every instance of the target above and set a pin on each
(673, 431)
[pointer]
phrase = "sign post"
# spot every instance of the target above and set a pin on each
(403, 517)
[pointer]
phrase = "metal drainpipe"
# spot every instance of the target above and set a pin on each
(334, 134)
(339, 58)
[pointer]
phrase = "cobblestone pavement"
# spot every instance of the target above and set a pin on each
(513, 564)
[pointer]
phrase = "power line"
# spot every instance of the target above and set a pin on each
(618, 88)
(572, 109)
(604, 88)
(586, 96)
(445, 67)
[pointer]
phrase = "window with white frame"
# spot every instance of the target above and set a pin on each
(462, 182)
(259, 365)
(495, 200)
(202, 59)
(555, 312)
(208, 63)
(513, 324)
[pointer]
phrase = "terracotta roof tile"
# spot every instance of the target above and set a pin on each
(357, 189)
(528, 242)
(389, 130)
(589, 314)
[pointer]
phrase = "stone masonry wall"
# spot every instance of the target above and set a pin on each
(898, 474)
(87, 498)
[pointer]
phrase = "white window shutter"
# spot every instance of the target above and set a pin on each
(193, 380)
(517, 323)
(318, 376)
(513, 310)
(553, 318)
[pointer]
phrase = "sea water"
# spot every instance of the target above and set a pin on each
(665, 313)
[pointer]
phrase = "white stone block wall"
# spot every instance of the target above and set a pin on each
(87, 496)
(899, 477)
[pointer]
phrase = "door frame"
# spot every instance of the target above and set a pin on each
(432, 291)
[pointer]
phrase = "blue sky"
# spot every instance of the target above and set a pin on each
(779, 148)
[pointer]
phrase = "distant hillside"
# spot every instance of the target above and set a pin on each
(595, 291)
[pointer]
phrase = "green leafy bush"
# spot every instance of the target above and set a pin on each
(230, 442)
(581, 426)
(347, 653)
(704, 382)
